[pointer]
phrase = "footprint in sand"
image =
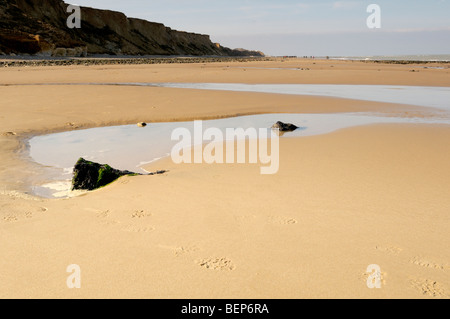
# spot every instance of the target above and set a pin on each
(10, 218)
(429, 264)
(180, 251)
(140, 214)
(103, 214)
(429, 288)
(393, 250)
(221, 264)
(137, 229)
(104, 217)
(281, 220)
(19, 214)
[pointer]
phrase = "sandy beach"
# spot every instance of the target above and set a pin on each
(365, 195)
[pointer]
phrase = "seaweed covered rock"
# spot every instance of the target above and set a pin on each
(89, 175)
(284, 127)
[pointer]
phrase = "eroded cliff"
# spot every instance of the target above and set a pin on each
(39, 27)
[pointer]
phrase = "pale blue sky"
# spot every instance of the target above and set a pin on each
(291, 27)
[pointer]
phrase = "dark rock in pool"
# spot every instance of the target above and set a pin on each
(284, 127)
(89, 175)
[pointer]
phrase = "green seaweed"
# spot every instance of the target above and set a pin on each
(90, 175)
(106, 176)
(102, 173)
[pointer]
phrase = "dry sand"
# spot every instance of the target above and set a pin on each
(342, 201)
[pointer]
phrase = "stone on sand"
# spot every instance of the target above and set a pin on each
(284, 127)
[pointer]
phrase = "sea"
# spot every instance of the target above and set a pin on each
(422, 57)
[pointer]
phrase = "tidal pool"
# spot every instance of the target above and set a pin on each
(130, 147)
(427, 96)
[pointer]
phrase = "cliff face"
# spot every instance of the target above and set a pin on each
(39, 27)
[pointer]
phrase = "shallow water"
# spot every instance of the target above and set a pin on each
(427, 96)
(418, 57)
(129, 147)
